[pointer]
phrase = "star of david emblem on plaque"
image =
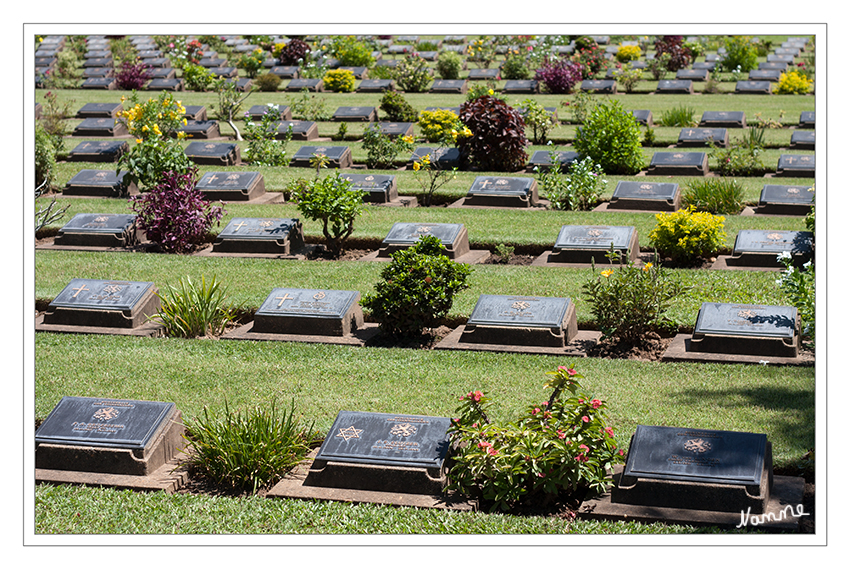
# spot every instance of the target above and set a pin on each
(349, 433)
(698, 446)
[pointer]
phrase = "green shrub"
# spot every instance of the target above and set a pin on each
(538, 119)
(329, 200)
(686, 235)
(247, 451)
(449, 64)
(192, 310)
(578, 190)
(412, 74)
(197, 78)
(267, 82)
(681, 115)
(741, 53)
(252, 62)
(714, 195)
(793, 83)
(417, 289)
(630, 302)
(45, 158)
(264, 147)
(66, 72)
(560, 447)
(397, 108)
(498, 139)
(742, 157)
(515, 67)
(437, 125)
(309, 107)
(611, 137)
(339, 80)
(628, 77)
(382, 149)
(798, 284)
(351, 52)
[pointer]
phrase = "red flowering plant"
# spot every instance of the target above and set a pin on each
(558, 447)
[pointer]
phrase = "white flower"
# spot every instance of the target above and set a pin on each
(764, 362)
(807, 265)
(783, 255)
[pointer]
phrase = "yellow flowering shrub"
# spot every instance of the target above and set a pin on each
(339, 80)
(687, 234)
(442, 125)
(159, 117)
(627, 53)
(793, 83)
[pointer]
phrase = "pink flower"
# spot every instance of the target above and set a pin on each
(561, 434)
(621, 452)
(581, 458)
(484, 444)
(492, 452)
(609, 431)
(586, 419)
(540, 475)
(596, 403)
(535, 411)
(585, 448)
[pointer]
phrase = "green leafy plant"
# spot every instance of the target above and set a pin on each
(629, 302)
(741, 157)
(580, 189)
(197, 78)
(230, 101)
(329, 201)
(339, 80)
(481, 51)
(264, 146)
(611, 137)
(680, 115)
(538, 119)
(741, 53)
(192, 310)
(267, 82)
(309, 107)
(515, 66)
(562, 446)
(382, 149)
(687, 234)
(497, 142)
(505, 252)
(351, 52)
(580, 106)
(417, 289)
(449, 64)
(437, 124)
(627, 76)
(798, 284)
(252, 62)
(714, 195)
(66, 72)
(412, 74)
(45, 158)
(53, 115)
(396, 108)
(657, 66)
(247, 451)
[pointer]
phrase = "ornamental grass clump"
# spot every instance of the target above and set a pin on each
(687, 234)
(629, 302)
(174, 214)
(561, 448)
(247, 451)
(193, 310)
(417, 289)
(714, 195)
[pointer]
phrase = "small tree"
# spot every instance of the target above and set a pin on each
(418, 288)
(229, 102)
(330, 201)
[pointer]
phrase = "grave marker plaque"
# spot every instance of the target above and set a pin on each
(678, 164)
(785, 200)
(102, 303)
(285, 71)
(752, 87)
(362, 114)
(502, 191)
(213, 153)
(586, 243)
(521, 86)
(375, 86)
(807, 119)
(99, 110)
(760, 247)
(441, 158)
(803, 140)
(746, 329)
(646, 196)
(98, 151)
(771, 75)
(690, 137)
(723, 119)
(643, 117)
(313, 85)
(232, 186)
(483, 74)
(458, 86)
(696, 469)
(376, 188)
(256, 112)
(692, 74)
(114, 436)
(599, 86)
(309, 312)
(98, 230)
(260, 235)
(96, 127)
(164, 84)
(396, 129)
(775, 65)
(521, 320)
(200, 129)
(102, 183)
(102, 82)
(796, 165)
(96, 72)
(301, 130)
(453, 237)
(541, 160)
(674, 86)
(338, 156)
(385, 439)
(195, 113)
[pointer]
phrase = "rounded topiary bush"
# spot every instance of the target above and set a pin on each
(610, 135)
(498, 140)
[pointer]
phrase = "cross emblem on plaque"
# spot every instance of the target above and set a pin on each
(283, 298)
(79, 290)
(240, 225)
(212, 178)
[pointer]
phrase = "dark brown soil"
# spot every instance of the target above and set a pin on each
(650, 350)
(523, 260)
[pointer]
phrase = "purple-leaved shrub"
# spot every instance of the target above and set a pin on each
(133, 75)
(175, 215)
(559, 75)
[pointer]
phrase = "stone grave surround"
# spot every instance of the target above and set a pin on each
(645, 196)
(760, 248)
(678, 164)
(338, 156)
(796, 165)
(98, 151)
(232, 186)
(583, 244)
(453, 236)
(381, 458)
(785, 200)
(98, 304)
(99, 183)
(502, 191)
(260, 235)
(746, 329)
(309, 312)
(98, 230)
(213, 153)
(111, 442)
(376, 188)
(521, 320)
